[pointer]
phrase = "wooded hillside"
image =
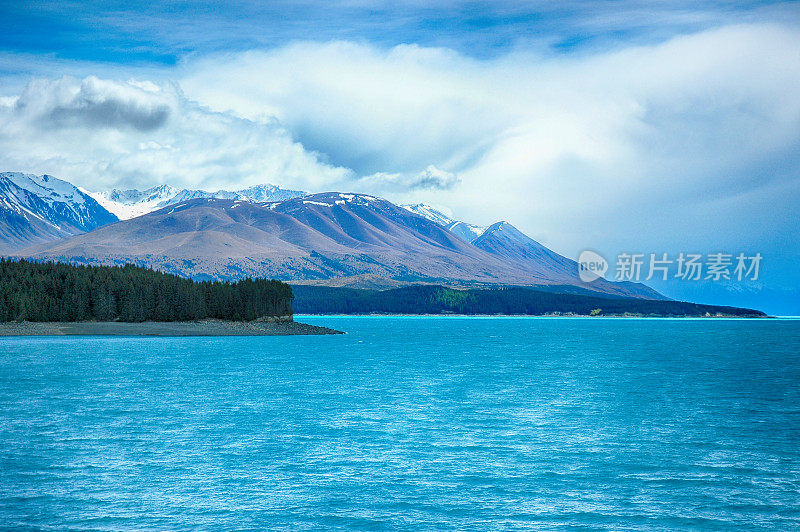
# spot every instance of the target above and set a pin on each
(508, 300)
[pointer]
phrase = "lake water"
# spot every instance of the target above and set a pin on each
(410, 423)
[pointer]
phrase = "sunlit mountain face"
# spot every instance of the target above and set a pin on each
(332, 238)
(36, 209)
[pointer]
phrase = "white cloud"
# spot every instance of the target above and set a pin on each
(573, 149)
(689, 143)
(100, 133)
(369, 109)
(431, 178)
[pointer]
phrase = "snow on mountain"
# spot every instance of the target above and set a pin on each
(430, 213)
(265, 193)
(329, 199)
(503, 240)
(151, 195)
(187, 195)
(131, 203)
(464, 230)
(342, 239)
(334, 237)
(21, 189)
(127, 204)
(36, 209)
(53, 200)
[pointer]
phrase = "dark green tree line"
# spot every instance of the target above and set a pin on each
(48, 291)
(505, 300)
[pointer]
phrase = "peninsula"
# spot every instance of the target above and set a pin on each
(62, 299)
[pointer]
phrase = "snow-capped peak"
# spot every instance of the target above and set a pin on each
(505, 230)
(131, 196)
(159, 193)
(46, 187)
(57, 203)
(132, 203)
(429, 212)
(268, 192)
(464, 230)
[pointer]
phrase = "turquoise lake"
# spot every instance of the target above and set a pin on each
(408, 423)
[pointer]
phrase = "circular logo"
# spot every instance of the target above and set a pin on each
(591, 266)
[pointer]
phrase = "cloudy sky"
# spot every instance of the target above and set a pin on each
(617, 126)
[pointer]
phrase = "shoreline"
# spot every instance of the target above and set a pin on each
(549, 315)
(164, 329)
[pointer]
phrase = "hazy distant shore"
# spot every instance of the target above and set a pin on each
(546, 315)
(513, 300)
(184, 328)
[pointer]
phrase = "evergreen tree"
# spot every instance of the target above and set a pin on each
(37, 291)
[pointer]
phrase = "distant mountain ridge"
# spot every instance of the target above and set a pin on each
(466, 231)
(331, 238)
(501, 239)
(126, 204)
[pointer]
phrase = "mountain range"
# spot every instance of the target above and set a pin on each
(36, 209)
(126, 204)
(331, 238)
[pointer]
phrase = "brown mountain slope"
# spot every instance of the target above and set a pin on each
(330, 238)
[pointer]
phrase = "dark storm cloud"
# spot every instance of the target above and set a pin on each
(433, 179)
(93, 104)
(109, 113)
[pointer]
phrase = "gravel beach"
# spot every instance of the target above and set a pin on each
(192, 328)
